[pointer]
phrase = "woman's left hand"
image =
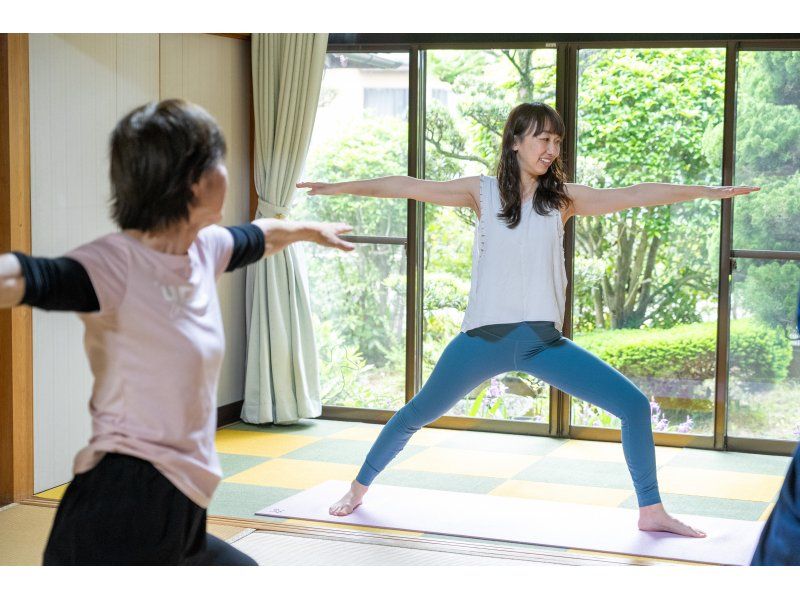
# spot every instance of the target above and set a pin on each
(726, 192)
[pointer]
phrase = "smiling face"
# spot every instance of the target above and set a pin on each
(530, 161)
(537, 151)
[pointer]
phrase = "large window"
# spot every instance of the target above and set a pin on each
(646, 279)
(764, 368)
(645, 283)
(469, 95)
(359, 300)
(765, 351)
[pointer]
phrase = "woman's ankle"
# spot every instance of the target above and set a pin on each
(358, 487)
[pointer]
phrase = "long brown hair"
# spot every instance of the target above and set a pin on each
(551, 194)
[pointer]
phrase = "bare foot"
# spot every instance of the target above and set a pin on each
(654, 518)
(350, 501)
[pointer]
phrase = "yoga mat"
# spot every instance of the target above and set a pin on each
(604, 529)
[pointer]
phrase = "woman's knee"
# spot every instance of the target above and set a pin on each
(428, 406)
(413, 418)
(636, 407)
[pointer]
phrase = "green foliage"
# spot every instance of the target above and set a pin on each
(768, 155)
(513, 395)
(757, 352)
(768, 140)
(363, 292)
(346, 377)
(488, 84)
(359, 293)
(770, 413)
(769, 291)
(444, 291)
(644, 115)
(771, 217)
(586, 414)
(767, 121)
(441, 131)
(373, 147)
(768, 151)
(643, 112)
(779, 71)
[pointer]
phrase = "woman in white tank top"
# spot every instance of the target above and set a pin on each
(518, 289)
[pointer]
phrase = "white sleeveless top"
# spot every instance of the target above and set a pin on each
(518, 274)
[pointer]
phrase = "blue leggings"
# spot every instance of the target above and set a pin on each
(538, 349)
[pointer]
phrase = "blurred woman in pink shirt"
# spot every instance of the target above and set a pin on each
(154, 339)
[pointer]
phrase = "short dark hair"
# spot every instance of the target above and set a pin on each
(157, 152)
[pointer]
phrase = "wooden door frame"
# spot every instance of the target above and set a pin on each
(16, 345)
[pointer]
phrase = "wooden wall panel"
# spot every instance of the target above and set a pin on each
(80, 86)
(188, 63)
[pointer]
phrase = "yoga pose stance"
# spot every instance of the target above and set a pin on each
(148, 299)
(516, 302)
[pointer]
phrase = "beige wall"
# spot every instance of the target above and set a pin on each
(80, 86)
(214, 72)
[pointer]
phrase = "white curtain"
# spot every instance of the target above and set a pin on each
(282, 380)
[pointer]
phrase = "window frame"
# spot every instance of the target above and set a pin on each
(567, 47)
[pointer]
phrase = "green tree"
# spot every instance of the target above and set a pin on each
(360, 290)
(769, 290)
(643, 115)
(768, 155)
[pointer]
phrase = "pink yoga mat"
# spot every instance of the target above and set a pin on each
(547, 523)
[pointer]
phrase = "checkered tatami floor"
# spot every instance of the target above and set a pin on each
(265, 464)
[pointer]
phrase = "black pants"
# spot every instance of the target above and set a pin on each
(125, 512)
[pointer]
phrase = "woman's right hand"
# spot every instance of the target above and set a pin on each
(278, 234)
(12, 283)
(328, 234)
(318, 188)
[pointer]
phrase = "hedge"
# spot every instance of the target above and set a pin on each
(758, 352)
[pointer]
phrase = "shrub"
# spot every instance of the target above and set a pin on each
(758, 352)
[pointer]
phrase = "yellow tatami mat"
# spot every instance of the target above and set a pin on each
(23, 534)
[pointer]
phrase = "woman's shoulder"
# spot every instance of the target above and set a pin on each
(211, 233)
(215, 243)
(109, 246)
(488, 192)
(488, 182)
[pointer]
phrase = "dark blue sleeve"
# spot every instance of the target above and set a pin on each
(57, 284)
(248, 245)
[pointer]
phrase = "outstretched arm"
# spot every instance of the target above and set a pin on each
(278, 234)
(463, 192)
(60, 283)
(588, 201)
(12, 284)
